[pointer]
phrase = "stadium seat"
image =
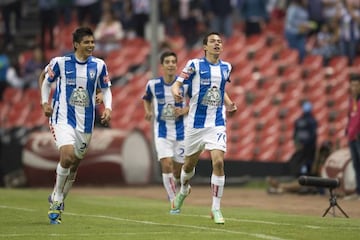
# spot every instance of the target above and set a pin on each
(36, 118)
(269, 69)
(255, 42)
(237, 58)
(288, 57)
(17, 115)
(338, 63)
(138, 55)
(177, 42)
(263, 56)
(312, 62)
(4, 109)
(236, 41)
(12, 95)
(32, 96)
(293, 73)
(196, 53)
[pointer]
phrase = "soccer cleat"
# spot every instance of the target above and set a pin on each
(174, 211)
(54, 213)
(217, 216)
(178, 202)
(62, 207)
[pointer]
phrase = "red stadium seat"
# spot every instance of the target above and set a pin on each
(255, 42)
(312, 62)
(12, 95)
(338, 63)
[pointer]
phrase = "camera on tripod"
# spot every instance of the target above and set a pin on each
(330, 183)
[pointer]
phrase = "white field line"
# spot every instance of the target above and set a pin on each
(17, 208)
(256, 221)
(206, 216)
(257, 235)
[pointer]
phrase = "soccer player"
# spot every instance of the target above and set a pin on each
(72, 110)
(205, 127)
(169, 118)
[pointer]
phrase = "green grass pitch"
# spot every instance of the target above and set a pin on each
(23, 215)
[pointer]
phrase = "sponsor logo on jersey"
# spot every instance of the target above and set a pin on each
(205, 81)
(70, 81)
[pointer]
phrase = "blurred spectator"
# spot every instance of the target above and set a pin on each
(65, 10)
(8, 9)
(126, 18)
(108, 32)
(276, 8)
(326, 43)
(305, 138)
(297, 26)
(33, 67)
(168, 16)
(48, 21)
(141, 11)
(255, 15)
(352, 129)
(219, 14)
(13, 72)
(4, 65)
(190, 12)
(349, 29)
(88, 12)
(331, 9)
(315, 9)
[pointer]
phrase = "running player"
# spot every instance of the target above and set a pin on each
(169, 117)
(205, 127)
(72, 110)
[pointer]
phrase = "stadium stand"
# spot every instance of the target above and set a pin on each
(267, 83)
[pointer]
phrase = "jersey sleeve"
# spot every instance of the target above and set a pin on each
(104, 78)
(187, 73)
(52, 70)
(148, 94)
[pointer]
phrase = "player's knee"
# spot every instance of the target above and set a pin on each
(69, 160)
(218, 164)
(166, 165)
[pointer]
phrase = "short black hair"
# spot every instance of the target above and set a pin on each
(205, 40)
(167, 54)
(80, 33)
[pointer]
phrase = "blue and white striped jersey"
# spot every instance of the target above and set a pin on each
(165, 123)
(74, 96)
(206, 91)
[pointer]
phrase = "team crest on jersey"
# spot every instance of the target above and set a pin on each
(168, 112)
(212, 97)
(79, 97)
(92, 74)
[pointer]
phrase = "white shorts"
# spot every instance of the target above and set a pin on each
(64, 134)
(170, 148)
(210, 138)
